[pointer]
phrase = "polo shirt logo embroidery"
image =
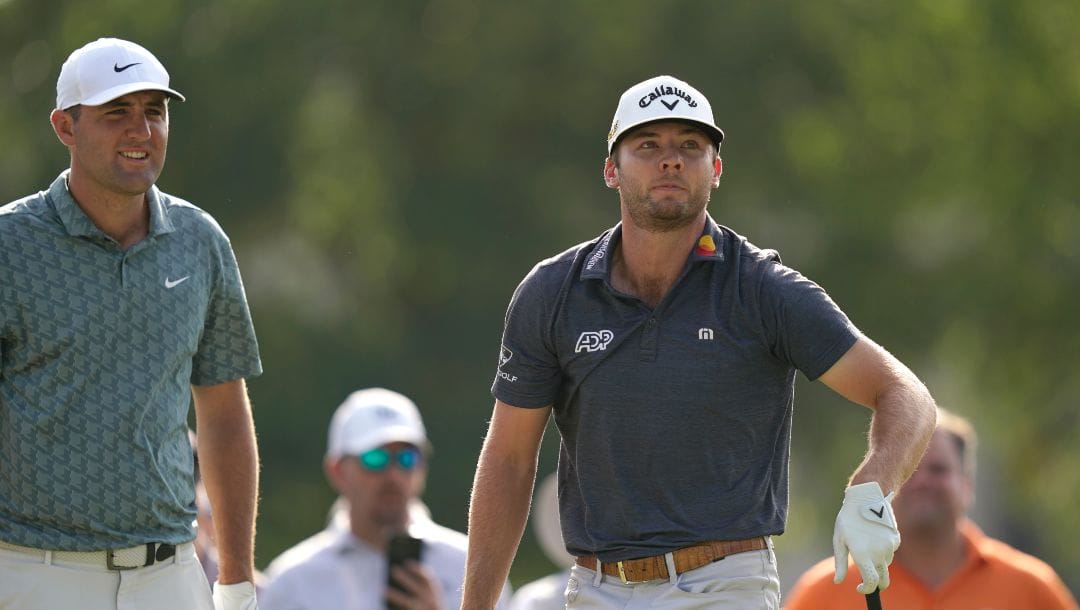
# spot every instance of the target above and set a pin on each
(706, 246)
(705, 334)
(173, 283)
(599, 254)
(593, 341)
(504, 356)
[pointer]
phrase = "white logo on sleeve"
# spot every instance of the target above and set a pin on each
(705, 334)
(593, 341)
(504, 356)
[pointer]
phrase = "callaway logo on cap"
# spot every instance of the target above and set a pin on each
(662, 98)
(106, 69)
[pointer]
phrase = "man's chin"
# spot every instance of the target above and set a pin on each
(666, 220)
(924, 520)
(394, 518)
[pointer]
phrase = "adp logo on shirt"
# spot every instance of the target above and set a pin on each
(593, 341)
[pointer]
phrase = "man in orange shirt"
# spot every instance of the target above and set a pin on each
(944, 562)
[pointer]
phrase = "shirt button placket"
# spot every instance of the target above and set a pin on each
(649, 339)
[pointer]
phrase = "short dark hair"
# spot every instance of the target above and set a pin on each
(962, 434)
(74, 111)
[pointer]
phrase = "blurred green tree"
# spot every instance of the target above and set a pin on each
(389, 171)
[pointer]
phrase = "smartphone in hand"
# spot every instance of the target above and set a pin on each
(402, 548)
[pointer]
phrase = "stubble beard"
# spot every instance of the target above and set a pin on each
(664, 216)
(392, 509)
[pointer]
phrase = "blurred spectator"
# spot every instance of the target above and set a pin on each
(376, 459)
(945, 562)
(549, 592)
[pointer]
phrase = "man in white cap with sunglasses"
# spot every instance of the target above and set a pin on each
(119, 304)
(666, 349)
(376, 459)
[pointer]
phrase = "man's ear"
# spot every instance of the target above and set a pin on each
(63, 125)
(332, 468)
(718, 169)
(611, 174)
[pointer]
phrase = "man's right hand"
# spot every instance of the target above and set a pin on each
(239, 596)
(418, 588)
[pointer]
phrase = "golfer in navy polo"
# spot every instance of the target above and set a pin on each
(666, 349)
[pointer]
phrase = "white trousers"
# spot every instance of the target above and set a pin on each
(29, 582)
(743, 581)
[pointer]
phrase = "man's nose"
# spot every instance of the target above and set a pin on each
(399, 475)
(139, 127)
(671, 158)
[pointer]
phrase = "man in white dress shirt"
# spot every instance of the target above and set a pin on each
(549, 592)
(377, 460)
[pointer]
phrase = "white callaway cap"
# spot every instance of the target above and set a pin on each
(371, 418)
(106, 69)
(662, 98)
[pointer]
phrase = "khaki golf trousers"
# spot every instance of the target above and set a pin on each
(743, 581)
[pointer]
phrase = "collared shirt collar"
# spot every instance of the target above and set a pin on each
(709, 247)
(975, 539)
(77, 223)
(343, 540)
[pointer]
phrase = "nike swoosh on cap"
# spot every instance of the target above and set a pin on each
(119, 68)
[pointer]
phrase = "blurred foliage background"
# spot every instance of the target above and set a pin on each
(388, 171)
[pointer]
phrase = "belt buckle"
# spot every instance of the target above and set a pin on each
(110, 556)
(622, 575)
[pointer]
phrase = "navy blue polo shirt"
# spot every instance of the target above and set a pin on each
(675, 422)
(99, 347)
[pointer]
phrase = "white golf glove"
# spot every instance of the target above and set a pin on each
(866, 528)
(239, 596)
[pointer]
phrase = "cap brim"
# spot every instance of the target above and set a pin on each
(715, 133)
(109, 95)
(392, 434)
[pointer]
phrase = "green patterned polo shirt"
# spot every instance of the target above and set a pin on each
(99, 348)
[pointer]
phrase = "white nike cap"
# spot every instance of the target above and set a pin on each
(106, 69)
(662, 98)
(371, 418)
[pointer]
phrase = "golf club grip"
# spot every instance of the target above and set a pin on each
(873, 600)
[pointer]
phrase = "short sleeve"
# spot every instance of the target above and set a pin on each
(528, 373)
(802, 324)
(227, 349)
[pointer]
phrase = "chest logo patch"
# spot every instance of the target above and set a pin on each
(593, 341)
(706, 246)
(173, 283)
